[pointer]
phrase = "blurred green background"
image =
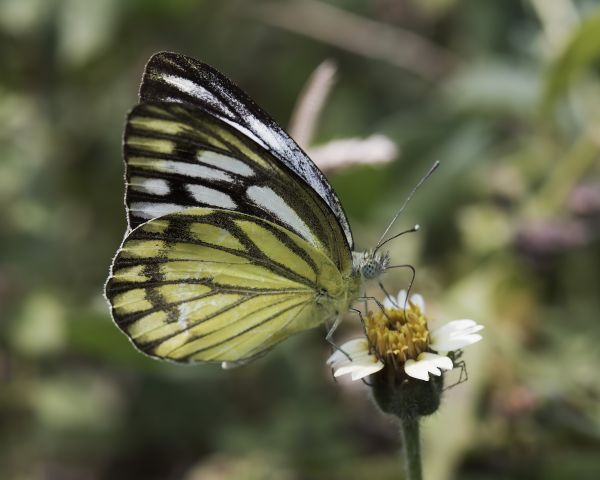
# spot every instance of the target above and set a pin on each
(505, 94)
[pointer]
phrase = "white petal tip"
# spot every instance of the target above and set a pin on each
(388, 304)
(366, 371)
(401, 298)
(419, 301)
(455, 335)
(426, 364)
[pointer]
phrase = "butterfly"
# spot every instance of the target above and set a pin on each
(235, 239)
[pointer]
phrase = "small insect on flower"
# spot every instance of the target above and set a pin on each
(398, 336)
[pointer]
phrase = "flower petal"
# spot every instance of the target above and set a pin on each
(401, 299)
(455, 335)
(419, 301)
(359, 369)
(457, 326)
(352, 347)
(427, 363)
(354, 360)
(348, 368)
(416, 370)
(455, 343)
(360, 364)
(388, 303)
(366, 371)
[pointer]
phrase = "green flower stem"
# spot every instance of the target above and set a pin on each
(412, 447)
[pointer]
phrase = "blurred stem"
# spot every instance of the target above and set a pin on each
(412, 447)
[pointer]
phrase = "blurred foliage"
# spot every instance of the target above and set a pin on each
(509, 238)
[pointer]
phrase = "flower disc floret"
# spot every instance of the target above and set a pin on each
(398, 332)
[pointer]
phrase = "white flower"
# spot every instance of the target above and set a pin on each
(360, 364)
(355, 356)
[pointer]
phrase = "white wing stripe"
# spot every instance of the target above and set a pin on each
(226, 163)
(267, 199)
(192, 170)
(152, 210)
(210, 196)
(266, 134)
(186, 85)
(245, 131)
(155, 186)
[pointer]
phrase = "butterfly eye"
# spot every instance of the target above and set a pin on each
(370, 269)
(372, 264)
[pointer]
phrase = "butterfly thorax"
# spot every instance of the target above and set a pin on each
(370, 263)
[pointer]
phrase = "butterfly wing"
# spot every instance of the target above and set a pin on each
(176, 78)
(179, 156)
(216, 285)
(234, 242)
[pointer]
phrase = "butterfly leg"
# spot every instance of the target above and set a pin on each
(362, 319)
(462, 378)
(464, 373)
(387, 294)
(364, 325)
(331, 330)
(379, 304)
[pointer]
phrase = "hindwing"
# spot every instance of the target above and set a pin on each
(204, 285)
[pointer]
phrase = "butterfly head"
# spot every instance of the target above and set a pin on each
(371, 264)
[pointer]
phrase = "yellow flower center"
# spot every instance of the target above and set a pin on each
(398, 333)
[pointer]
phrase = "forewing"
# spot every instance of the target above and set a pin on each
(179, 156)
(212, 285)
(177, 78)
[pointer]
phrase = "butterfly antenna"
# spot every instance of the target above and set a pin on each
(408, 199)
(410, 230)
